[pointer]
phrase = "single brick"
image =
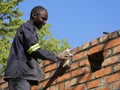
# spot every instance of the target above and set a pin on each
(116, 85)
(79, 87)
(86, 78)
(50, 67)
(103, 72)
(112, 78)
(111, 60)
(94, 83)
(95, 49)
(107, 53)
(86, 45)
(77, 72)
(116, 49)
(103, 38)
(80, 55)
(112, 35)
(84, 62)
(74, 81)
(112, 43)
(105, 87)
(67, 84)
(74, 65)
(117, 67)
(94, 42)
(62, 86)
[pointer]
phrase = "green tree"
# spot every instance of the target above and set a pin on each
(48, 42)
(10, 20)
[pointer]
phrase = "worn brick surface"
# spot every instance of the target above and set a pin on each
(94, 83)
(79, 76)
(111, 60)
(112, 78)
(112, 43)
(95, 49)
(103, 72)
(116, 85)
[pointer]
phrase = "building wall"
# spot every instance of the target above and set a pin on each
(95, 66)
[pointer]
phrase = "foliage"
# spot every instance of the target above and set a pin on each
(9, 22)
(49, 43)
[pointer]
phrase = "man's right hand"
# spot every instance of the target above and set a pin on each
(63, 56)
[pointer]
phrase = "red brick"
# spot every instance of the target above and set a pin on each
(116, 85)
(103, 38)
(3, 85)
(67, 76)
(86, 69)
(64, 77)
(47, 75)
(106, 87)
(86, 77)
(94, 42)
(62, 86)
(75, 50)
(41, 63)
(74, 81)
(111, 60)
(74, 65)
(112, 35)
(77, 72)
(50, 67)
(67, 84)
(94, 83)
(55, 87)
(79, 55)
(68, 89)
(117, 67)
(103, 72)
(79, 87)
(40, 85)
(44, 83)
(116, 49)
(86, 45)
(46, 62)
(95, 49)
(112, 43)
(112, 78)
(35, 87)
(107, 53)
(1, 79)
(84, 62)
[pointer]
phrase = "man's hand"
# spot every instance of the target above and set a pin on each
(63, 56)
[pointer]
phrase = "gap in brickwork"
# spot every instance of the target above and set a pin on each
(96, 60)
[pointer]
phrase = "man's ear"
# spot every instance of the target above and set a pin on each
(34, 16)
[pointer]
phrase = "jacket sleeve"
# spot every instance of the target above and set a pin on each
(32, 46)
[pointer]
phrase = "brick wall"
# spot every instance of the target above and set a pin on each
(96, 66)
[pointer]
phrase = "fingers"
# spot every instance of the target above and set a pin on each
(63, 56)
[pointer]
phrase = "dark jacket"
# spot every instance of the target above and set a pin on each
(22, 61)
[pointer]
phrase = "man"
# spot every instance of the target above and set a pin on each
(22, 69)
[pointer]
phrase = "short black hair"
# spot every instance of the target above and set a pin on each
(36, 10)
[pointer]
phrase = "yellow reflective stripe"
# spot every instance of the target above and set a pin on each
(33, 48)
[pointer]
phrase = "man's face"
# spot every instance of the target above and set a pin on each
(41, 19)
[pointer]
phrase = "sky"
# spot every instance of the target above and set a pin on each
(78, 21)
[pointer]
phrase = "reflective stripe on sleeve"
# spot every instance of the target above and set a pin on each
(33, 48)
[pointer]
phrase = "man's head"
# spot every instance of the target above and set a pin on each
(39, 16)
